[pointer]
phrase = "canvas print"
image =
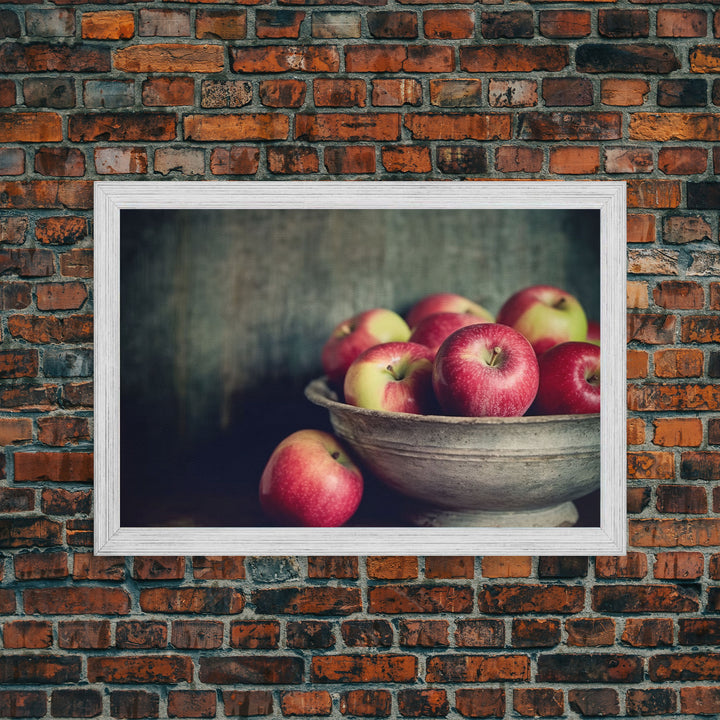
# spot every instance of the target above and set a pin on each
(360, 367)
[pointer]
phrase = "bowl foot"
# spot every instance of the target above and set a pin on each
(563, 515)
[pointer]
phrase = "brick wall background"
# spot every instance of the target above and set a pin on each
(369, 89)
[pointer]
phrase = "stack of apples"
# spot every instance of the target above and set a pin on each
(449, 356)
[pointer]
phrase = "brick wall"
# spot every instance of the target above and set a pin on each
(369, 89)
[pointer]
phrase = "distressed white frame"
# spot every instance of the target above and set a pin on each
(112, 539)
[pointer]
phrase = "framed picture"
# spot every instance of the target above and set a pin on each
(214, 302)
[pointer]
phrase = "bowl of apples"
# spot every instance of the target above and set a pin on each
(476, 422)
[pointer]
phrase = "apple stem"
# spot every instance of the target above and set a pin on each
(495, 356)
(560, 304)
(594, 378)
(335, 455)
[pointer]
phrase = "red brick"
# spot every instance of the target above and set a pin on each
(60, 162)
(135, 634)
(253, 635)
(223, 24)
(163, 22)
(134, 704)
(62, 430)
(77, 263)
(350, 159)
(391, 25)
(477, 668)
(700, 465)
(512, 93)
(16, 500)
(309, 634)
(331, 92)
(623, 93)
(564, 23)
(682, 160)
(633, 565)
(12, 161)
(61, 194)
(590, 668)
(513, 24)
(30, 127)
(480, 702)
(244, 669)
(679, 295)
(39, 668)
(236, 160)
(139, 669)
(282, 58)
(278, 24)
(684, 666)
(448, 24)
(366, 703)
(635, 431)
(503, 566)
(538, 702)
(225, 93)
(590, 632)
(513, 58)
(518, 159)
(168, 91)
(76, 600)
(529, 633)
(207, 600)
(121, 127)
(61, 296)
(348, 127)
(395, 92)
(217, 567)
(670, 432)
(406, 159)
(416, 598)
(333, 566)
(449, 567)
(375, 58)
(628, 160)
(683, 229)
(223, 128)
(197, 634)
(475, 126)
(21, 397)
(678, 565)
(574, 125)
(87, 566)
(120, 161)
(430, 702)
(108, 25)
(392, 568)
(480, 633)
(159, 568)
(686, 532)
(681, 23)
(282, 93)
(667, 126)
(364, 668)
(7, 93)
(637, 295)
(650, 465)
(312, 600)
(169, 57)
(18, 363)
(530, 598)
(600, 702)
(700, 700)
(653, 701)
(248, 702)
(368, 633)
(648, 632)
(455, 93)
(614, 23)
(678, 363)
(27, 262)
(574, 160)
(53, 467)
(58, 501)
(41, 565)
(191, 703)
(27, 634)
(309, 702)
(13, 230)
(573, 92)
(23, 703)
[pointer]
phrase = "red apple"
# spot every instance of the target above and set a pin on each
(432, 330)
(593, 333)
(486, 370)
(569, 380)
(309, 480)
(545, 315)
(360, 332)
(394, 376)
(445, 302)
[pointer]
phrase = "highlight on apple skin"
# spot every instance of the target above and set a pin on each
(545, 315)
(395, 376)
(445, 302)
(358, 333)
(434, 329)
(310, 481)
(569, 380)
(487, 370)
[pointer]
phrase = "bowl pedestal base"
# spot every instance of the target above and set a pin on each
(563, 515)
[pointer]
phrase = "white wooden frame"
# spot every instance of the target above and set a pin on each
(112, 539)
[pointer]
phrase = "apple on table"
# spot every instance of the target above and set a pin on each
(395, 376)
(358, 333)
(569, 380)
(486, 370)
(545, 315)
(310, 481)
(445, 302)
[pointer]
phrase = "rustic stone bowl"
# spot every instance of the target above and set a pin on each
(474, 472)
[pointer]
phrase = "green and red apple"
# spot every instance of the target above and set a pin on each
(446, 302)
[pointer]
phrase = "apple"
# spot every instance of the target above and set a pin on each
(545, 315)
(569, 380)
(486, 370)
(432, 330)
(445, 302)
(593, 333)
(360, 332)
(395, 376)
(310, 481)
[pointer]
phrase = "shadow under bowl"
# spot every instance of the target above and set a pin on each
(473, 472)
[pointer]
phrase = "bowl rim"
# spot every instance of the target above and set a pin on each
(319, 392)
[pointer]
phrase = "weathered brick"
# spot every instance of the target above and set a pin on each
(700, 700)
(236, 160)
(565, 566)
(395, 92)
(648, 632)
(513, 24)
(480, 702)
(108, 25)
(609, 58)
(684, 666)
(121, 127)
(307, 601)
(623, 23)
(30, 127)
(681, 23)
(347, 127)
(431, 702)
(453, 668)
(424, 633)
(703, 195)
(139, 669)
(13, 231)
(574, 160)
(336, 24)
(398, 24)
(180, 160)
(247, 702)
(367, 633)
(278, 23)
(471, 126)
(529, 633)
(480, 633)
(653, 328)
(635, 431)
(196, 634)
(76, 600)
(331, 92)
(651, 701)
(538, 702)
(454, 93)
(670, 432)
(565, 23)
(448, 567)
(678, 566)
(448, 24)
(309, 634)
(350, 159)
(600, 702)
(663, 126)
(282, 58)
(530, 598)
(498, 566)
(282, 93)
(513, 58)
(121, 161)
(628, 160)
(192, 703)
(223, 128)
(9, 24)
(207, 600)
(518, 159)
(682, 93)
(590, 668)
(27, 634)
(169, 57)
(573, 92)
(108, 93)
(406, 159)
(511, 93)
(168, 91)
(163, 22)
(623, 93)
(237, 669)
(366, 703)
(60, 162)
(12, 161)
(461, 159)
(679, 230)
(686, 532)
(253, 635)
(40, 669)
(416, 598)
(76, 703)
(569, 126)
(23, 703)
(134, 704)
(682, 362)
(46, 57)
(682, 161)
(44, 194)
(225, 93)
(14, 500)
